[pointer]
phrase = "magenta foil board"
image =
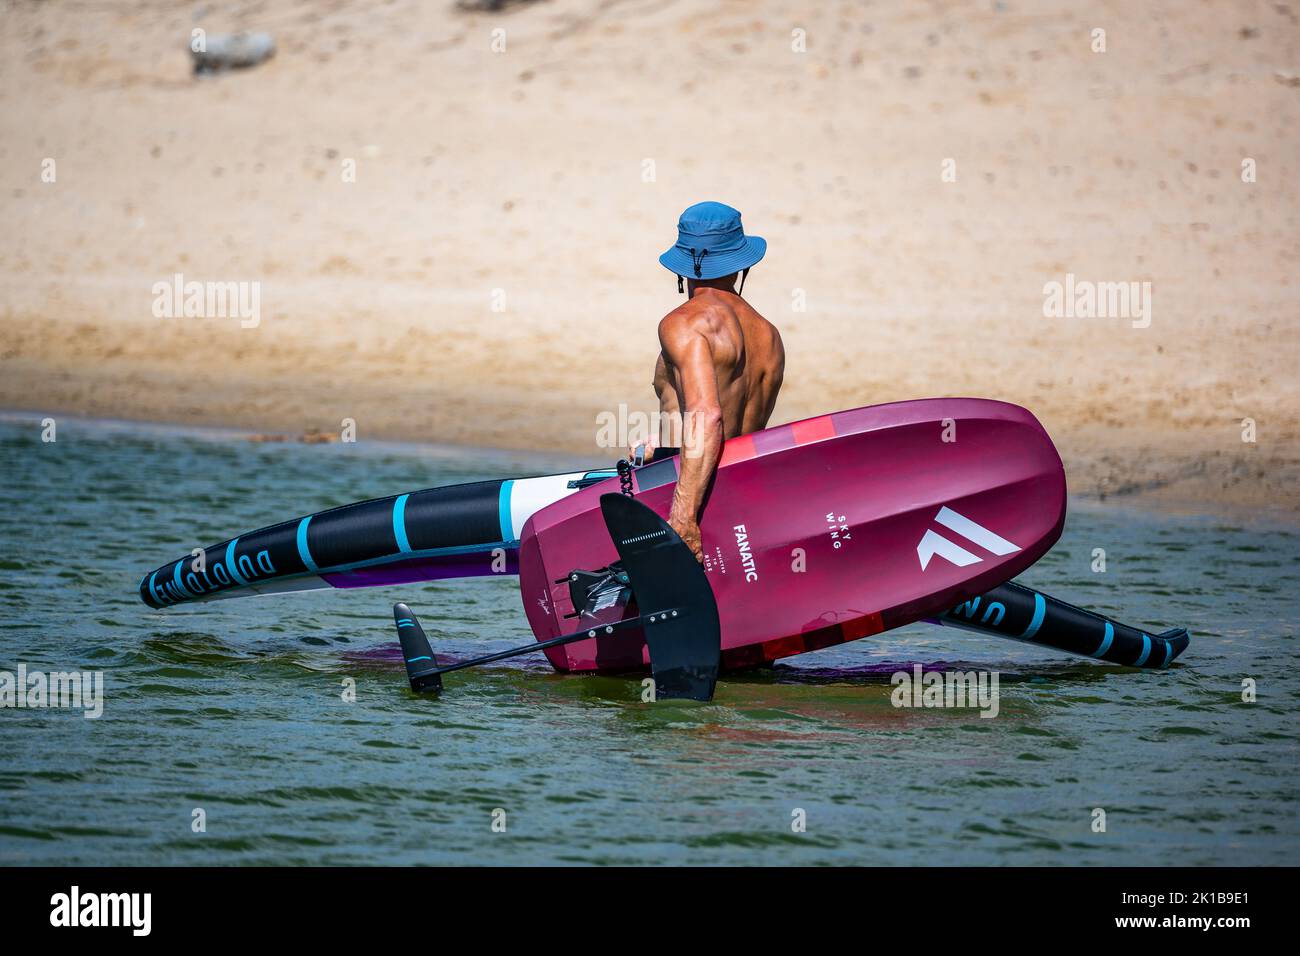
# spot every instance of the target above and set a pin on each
(825, 530)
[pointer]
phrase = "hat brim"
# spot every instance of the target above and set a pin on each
(678, 261)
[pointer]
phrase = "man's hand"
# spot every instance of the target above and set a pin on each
(688, 529)
(647, 446)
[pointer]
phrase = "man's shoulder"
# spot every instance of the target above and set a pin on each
(699, 312)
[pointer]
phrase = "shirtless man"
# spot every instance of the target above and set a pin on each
(720, 362)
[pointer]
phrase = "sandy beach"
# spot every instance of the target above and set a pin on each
(454, 231)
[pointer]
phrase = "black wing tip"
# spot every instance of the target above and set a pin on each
(421, 664)
(1178, 639)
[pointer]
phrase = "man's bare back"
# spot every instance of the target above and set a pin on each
(744, 349)
(720, 362)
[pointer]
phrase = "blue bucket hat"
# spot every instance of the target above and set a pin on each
(711, 243)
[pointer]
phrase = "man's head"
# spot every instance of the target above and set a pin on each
(712, 248)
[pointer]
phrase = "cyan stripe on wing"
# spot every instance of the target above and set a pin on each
(177, 577)
(1105, 641)
(412, 660)
(230, 562)
(399, 524)
(303, 551)
(1146, 651)
(1040, 611)
(503, 510)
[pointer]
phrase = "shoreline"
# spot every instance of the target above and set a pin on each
(1145, 500)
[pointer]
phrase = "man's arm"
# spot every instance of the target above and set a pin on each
(691, 355)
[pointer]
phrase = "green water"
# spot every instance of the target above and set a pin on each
(237, 708)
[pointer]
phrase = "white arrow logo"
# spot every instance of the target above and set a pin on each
(934, 543)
